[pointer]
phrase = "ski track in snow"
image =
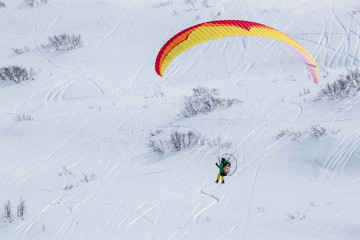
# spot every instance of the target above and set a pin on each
(341, 155)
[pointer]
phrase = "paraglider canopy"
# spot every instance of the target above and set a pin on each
(207, 31)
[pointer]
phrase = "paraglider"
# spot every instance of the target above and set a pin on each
(227, 166)
(207, 31)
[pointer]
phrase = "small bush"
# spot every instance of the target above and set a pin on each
(204, 101)
(190, 4)
(2, 5)
(16, 74)
(205, 3)
(296, 216)
(335, 90)
(21, 209)
(65, 172)
(29, 3)
(8, 212)
(32, 3)
(316, 131)
(295, 135)
(282, 133)
(163, 4)
(352, 79)
(344, 87)
(20, 51)
(64, 42)
(156, 146)
(88, 178)
(304, 92)
(24, 117)
(218, 143)
(176, 142)
(196, 4)
(68, 187)
(180, 141)
(157, 132)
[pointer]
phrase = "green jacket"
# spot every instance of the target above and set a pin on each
(221, 166)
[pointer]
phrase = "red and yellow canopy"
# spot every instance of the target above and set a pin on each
(207, 31)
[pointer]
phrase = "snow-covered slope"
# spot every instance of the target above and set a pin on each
(82, 164)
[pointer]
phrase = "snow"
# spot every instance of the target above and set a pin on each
(95, 108)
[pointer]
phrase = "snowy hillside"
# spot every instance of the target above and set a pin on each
(74, 141)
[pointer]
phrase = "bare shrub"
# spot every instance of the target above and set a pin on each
(21, 209)
(260, 209)
(176, 142)
(219, 143)
(2, 5)
(344, 87)
(231, 101)
(156, 146)
(316, 131)
(157, 132)
(88, 178)
(163, 4)
(355, 12)
(24, 117)
(204, 100)
(304, 92)
(65, 172)
(296, 216)
(352, 79)
(295, 135)
(190, 4)
(8, 212)
(20, 51)
(205, 3)
(335, 90)
(180, 141)
(32, 3)
(64, 42)
(282, 133)
(68, 187)
(16, 74)
(196, 4)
